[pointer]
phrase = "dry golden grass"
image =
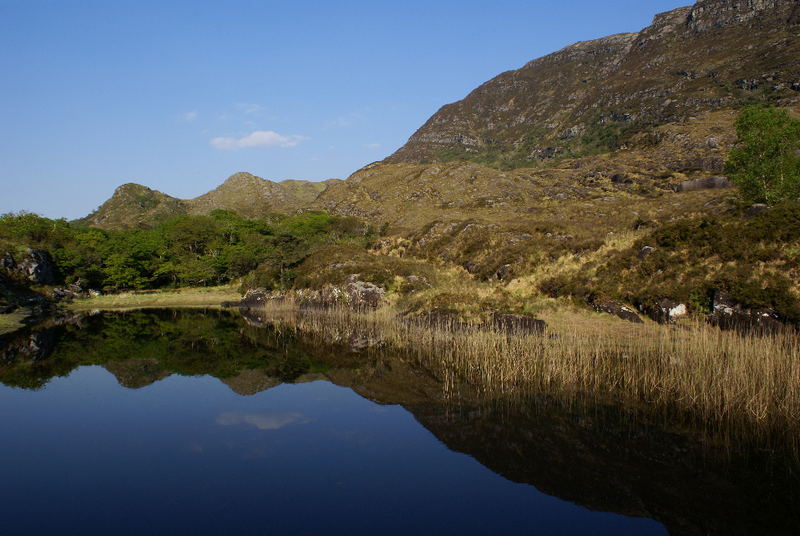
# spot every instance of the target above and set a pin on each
(186, 297)
(720, 378)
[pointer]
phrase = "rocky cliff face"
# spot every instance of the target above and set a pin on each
(594, 95)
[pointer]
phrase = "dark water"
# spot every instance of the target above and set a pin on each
(168, 422)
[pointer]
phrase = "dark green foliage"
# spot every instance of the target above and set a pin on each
(766, 163)
(183, 251)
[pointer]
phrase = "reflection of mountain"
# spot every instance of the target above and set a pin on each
(593, 455)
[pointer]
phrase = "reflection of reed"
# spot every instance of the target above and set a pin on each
(731, 382)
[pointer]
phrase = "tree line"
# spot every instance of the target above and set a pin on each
(184, 251)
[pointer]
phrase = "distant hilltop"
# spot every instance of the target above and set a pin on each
(134, 205)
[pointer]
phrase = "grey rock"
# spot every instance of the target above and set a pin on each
(38, 267)
(666, 311)
(363, 293)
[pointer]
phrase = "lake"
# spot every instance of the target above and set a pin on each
(200, 422)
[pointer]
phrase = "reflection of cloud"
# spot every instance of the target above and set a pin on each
(262, 421)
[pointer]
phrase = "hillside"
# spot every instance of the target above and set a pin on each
(134, 205)
(594, 96)
(554, 178)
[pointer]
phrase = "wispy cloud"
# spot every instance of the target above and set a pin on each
(257, 138)
(189, 116)
(249, 108)
(372, 145)
(261, 421)
(346, 120)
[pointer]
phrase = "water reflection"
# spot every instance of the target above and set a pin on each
(261, 421)
(255, 417)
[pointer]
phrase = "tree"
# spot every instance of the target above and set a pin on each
(766, 162)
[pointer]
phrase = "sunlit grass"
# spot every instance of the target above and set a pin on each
(185, 297)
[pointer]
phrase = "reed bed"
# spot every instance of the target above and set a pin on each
(717, 376)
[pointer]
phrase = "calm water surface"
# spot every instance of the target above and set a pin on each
(191, 423)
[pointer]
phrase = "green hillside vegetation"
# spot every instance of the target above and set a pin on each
(183, 251)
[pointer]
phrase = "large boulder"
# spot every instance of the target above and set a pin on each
(363, 294)
(666, 311)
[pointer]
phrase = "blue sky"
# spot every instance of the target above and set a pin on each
(178, 95)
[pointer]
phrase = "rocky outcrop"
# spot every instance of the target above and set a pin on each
(728, 314)
(666, 311)
(355, 294)
(35, 266)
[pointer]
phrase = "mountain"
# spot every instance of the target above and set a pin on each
(593, 96)
(621, 120)
(253, 196)
(134, 205)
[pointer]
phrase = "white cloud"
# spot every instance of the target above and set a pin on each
(372, 145)
(257, 138)
(190, 116)
(261, 421)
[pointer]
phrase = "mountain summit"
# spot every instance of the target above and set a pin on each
(592, 96)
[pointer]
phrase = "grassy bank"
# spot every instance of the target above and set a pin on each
(719, 377)
(185, 297)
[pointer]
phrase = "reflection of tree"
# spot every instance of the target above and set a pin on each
(155, 343)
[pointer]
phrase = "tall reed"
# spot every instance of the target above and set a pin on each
(717, 376)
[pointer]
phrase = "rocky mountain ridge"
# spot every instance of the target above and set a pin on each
(622, 115)
(135, 205)
(592, 96)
